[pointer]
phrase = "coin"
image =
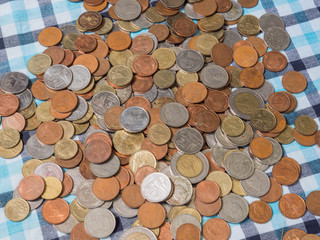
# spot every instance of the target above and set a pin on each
(216, 228)
(305, 125)
(222, 179)
(137, 232)
(274, 61)
(50, 36)
(294, 233)
(55, 211)
(53, 188)
(277, 38)
(183, 219)
(260, 212)
(269, 20)
(292, 206)
(31, 187)
(247, 167)
(285, 172)
(134, 119)
(14, 82)
(312, 202)
(274, 193)
(68, 225)
(16, 209)
(9, 137)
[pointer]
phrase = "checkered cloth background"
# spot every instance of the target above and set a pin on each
(22, 20)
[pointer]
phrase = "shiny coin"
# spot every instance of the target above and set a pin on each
(14, 82)
(292, 206)
(134, 119)
(156, 187)
(49, 169)
(260, 212)
(57, 77)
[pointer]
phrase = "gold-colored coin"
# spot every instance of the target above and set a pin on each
(66, 149)
(305, 125)
(128, 26)
(29, 166)
(246, 103)
(237, 188)
(53, 188)
(68, 41)
(103, 88)
(79, 27)
(9, 137)
(137, 223)
(105, 28)
(263, 120)
(235, 76)
(212, 23)
(286, 136)
(29, 111)
(166, 57)
(130, 61)
(94, 120)
(233, 126)
(164, 78)
(11, 152)
(183, 77)
(174, 212)
(32, 123)
(43, 112)
(207, 59)
(189, 165)
(204, 44)
(248, 25)
(68, 129)
(86, 117)
(223, 180)
(159, 134)
(153, 15)
(127, 143)
(140, 159)
(190, 211)
(120, 57)
(78, 211)
(87, 89)
(218, 34)
(39, 63)
(80, 128)
(17, 209)
(120, 75)
(49, 159)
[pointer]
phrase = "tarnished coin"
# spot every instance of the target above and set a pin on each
(269, 20)
(305, 125)
(49, 169)
(127, 9)
(106, 169)
(239, 165)
(276, 38)
(174, 114)
(38, 150)
(66, 149)
(17, 209)
(231, 37)
(156, 187)
(122, 209)
(263, 120)
(234, 208)
(89, 20)
(257, 185)
(188, 140)
(102, 101)
(134, 119)
(190, 61)
(57, 77)
(39, 63)
(14, 82)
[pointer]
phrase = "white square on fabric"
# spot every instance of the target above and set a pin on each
(8, 30)
(308, 183)
(14, 52)
(305, 51)
(36, 24)
(284, 10)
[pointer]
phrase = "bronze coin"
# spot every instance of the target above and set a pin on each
(118, 41)
(241, 43)
(164, 11)
(293, 102)
(112, 117)
(303, 139)
(205, 7)
(144, 4)
(185, 27)
(151, 215)
(103, 67)
(84, 169)
(73, 162)
(274, 61)
(161, 31)
(142, 173)
(56, 53)
(141, 44)
(248, 3)
(260, 212)
(292, 206)
(165, 233)
(274, 193)
(178, 97)
(123, 177)
(90, 20)
(112, 13)
(97, 8)
(145, 65)
(78, 232)
(223, 5)
(64, 101)
(141, 84)
(38, 90)
(216, 228)
(55, 211)
(208, 209)
(159, 151)
(100, 136)
(9, 104)
(207, 191)
(132, 196)
(100, 185)
(87, 60)
(251, 78)
(193, 110)
(294, 233)
(16, 121)
(139, 102)
(245, 56)
(58, 115)
(68, 58)
(67, 185)
(217, 101)
(31, 187)
(213, 166)
(101, 51)
(188, 231)
(281, 122)
(261, 147)
(194, 92)
(222, 54)
(294, 82)
(259, 66)
(285, 172)
(313, 202)
(49, 133)
(317, 138)
(98, 151)
(50, 36)
(258, 44)
(279, 101)
(207, 121)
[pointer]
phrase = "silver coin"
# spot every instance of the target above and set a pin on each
(77, 178)
(174, 114)
(85, 195)
(25, 99)
(276, 155)
(100, 222)
(132, 231)
(259, 165)
(257, 185)
(193, 180)
(122, 209)
(66, 226)
(211, 139)
(168, 172)
(106, 204)
(231, 37)
(265, 90)
(38, 150)
(57, 77)
(190, 61)
(239, 165)
(182, 192)
(245, 138)
(134, 119)
(156, 187)
(49, 169)
(154, 39)
(103, 101)
(106, 169)
(234, 208)
(185, 44)
(188, 9)
(151, 94)
(165, 45)
(81, 77)
(14, 82)
(160, 166)
(183, 219)
(142, 21)
(165, 92)
(176, 50)
(234, 13)
(223, 140)
(269, 20)
(69, 28)
(172, 3)
(259, 103)
(218, 153)
(80, 111)
(34, 204)
(127, 9)
(277, 39)
(214, 76)
(188, 140)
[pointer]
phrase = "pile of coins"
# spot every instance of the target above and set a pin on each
(169, 133)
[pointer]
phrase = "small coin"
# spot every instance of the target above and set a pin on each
(260, 212)
(183, 219)
(274, 193)
(242, 171)
(209, 76)
(174, 114)
(9, 137)
(53, 188)
(292, 206)
(14, 82)
(50, 36)
(134, 119)
(38, 150)
(261, 147)
(274, 61)
(269, 20)
(17, 209)
(137, 232)
(156, 187)
(257, 185)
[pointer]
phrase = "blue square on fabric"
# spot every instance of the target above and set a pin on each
(46, 10)
(26, 38)
(5, 197)
(298, 65)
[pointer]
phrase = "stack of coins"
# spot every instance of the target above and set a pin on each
(167, 132)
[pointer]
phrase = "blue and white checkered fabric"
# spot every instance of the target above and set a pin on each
(22, 20)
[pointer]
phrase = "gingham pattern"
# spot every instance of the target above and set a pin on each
(22, 20)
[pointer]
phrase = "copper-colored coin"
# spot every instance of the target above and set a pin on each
(87, 60)
(132, 196)
(164, 11)
(178, 97)
(207, 121)
(50, 92)
(101, 51)
(216, 228)
(141, 84)
(193, 110)
(194, 92)
(123, 177)
(245, 56)
(118, 41)
(165, 233)
(313, 202)
(161, 31)
(207, 191)
(222, 54)
(55, 211)
(145, 65)
(192, 42)
(56, 53)
(103, 67)
(154, 114)
(151, 215)
(259, 45)
(73, 162)
(49, 132)
(317, 138)
(294, 234)
(248, 3)
(50, 36)
(97, 8)
(142, 173)
(9, 104)
(84, 169)
(279, 101)
(304, 140)
(259, 66)
(185, 27)
(106, 189)
(141, 44)
(98, 151)
(159, 151)
(93, 2)
(139, 102)
(78, 53)
(217, 101)
(251, 78)
(58, 115)
(281, 122)
(64, 101)
(205, 7)
(124, 159)
(293, 102)
(112, 13)
(188, 231)
(67, 185)
(285, 172)
(100, 136)
(260, 212)
(16, 121)
(274, 193)
(213, 166)
(175, 39)
(292, 206)
(294, 82)
(38, 90)
(68, 58)
(31, 187)
(112, 117)
(127, 167)
(223, 5)
(261, 147)
(78, 232)
(208, 209)
(292, 161)
(241, 43)
(274, 61)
